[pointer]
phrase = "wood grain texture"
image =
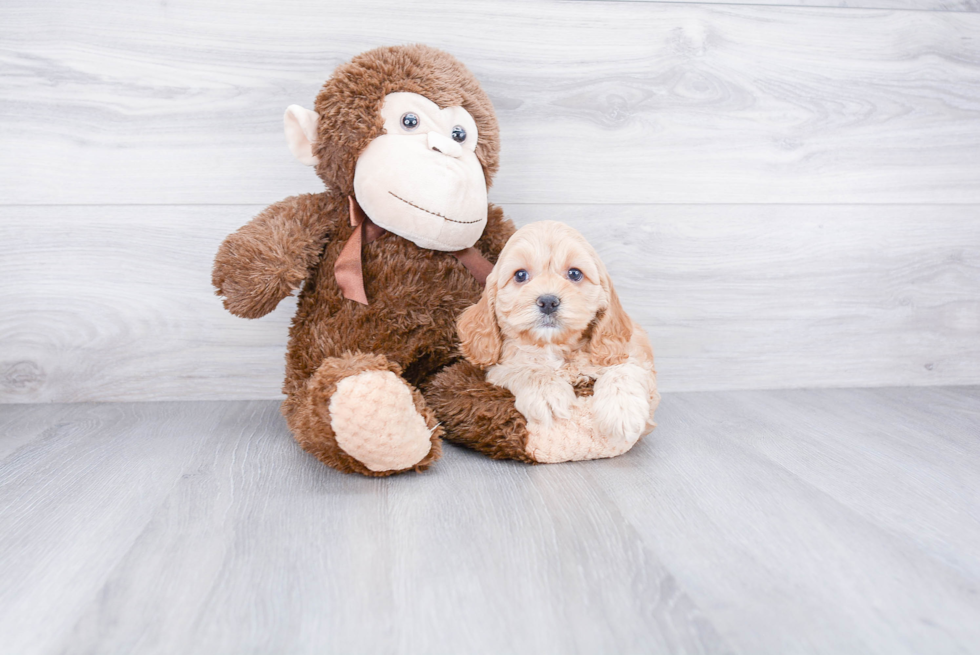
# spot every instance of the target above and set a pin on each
(795, 296)
(99, 302)
(859, 504)
(913, 5)
(748, 522)
(115, 303)
(181, 102)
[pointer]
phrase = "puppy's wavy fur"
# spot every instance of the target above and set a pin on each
(541, 358)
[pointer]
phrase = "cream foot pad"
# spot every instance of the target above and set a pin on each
(375, 421)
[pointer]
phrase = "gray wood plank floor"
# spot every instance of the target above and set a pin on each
(750, 521)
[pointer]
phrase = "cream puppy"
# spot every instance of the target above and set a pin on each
(549, 320)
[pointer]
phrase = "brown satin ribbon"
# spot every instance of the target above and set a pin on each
(347, 269)
(475, 263)
(350, 274)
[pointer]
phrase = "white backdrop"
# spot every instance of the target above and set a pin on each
(786, 196)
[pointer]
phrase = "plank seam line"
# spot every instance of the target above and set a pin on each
(532, 204)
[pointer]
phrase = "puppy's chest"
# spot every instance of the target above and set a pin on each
(574, 367)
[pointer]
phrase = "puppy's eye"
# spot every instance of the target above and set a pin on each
(459, 134)
(410, 121)
(521, 276)
(574, 275)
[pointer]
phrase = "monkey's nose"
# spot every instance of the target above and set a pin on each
(444, 145)
(548, 304)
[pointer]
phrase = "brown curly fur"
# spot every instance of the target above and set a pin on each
(477, 414)
(349, 106)
(414, 294)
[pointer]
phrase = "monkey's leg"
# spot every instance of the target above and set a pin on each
(477, 414)
(357, 414)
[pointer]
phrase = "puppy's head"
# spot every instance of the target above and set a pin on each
(548, 286)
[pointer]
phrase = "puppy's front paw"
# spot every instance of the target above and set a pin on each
(560, 396)
(551, 398)
(621, 404)
(622, 419)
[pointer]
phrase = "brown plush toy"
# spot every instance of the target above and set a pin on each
(398, 245)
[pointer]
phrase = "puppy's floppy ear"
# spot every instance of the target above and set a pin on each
(479, 335)
(611, 333)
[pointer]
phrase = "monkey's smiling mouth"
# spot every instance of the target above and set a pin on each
(412, 204)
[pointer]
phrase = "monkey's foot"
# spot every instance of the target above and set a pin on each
(358, 415)
(375, 420)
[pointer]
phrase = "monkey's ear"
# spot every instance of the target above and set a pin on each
(301, 133)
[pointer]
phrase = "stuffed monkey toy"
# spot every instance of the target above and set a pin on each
(399, 243)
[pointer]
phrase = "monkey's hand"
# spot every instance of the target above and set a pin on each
(268, 259)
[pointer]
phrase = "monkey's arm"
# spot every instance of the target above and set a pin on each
(268, 258)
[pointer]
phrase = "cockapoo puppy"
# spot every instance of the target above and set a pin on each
(549, 322)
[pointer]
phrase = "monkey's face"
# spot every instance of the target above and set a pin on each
(422, 179)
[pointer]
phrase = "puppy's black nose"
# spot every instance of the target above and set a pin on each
(548, 304)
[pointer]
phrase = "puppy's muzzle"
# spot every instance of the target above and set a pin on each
(548, 305)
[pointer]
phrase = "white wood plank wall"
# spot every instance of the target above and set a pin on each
(787, 195)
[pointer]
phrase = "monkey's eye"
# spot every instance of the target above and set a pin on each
(574, 275)
(521, 276)
(459, 134)
(410, 121)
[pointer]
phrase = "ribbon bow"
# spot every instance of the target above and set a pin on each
(348, 269)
